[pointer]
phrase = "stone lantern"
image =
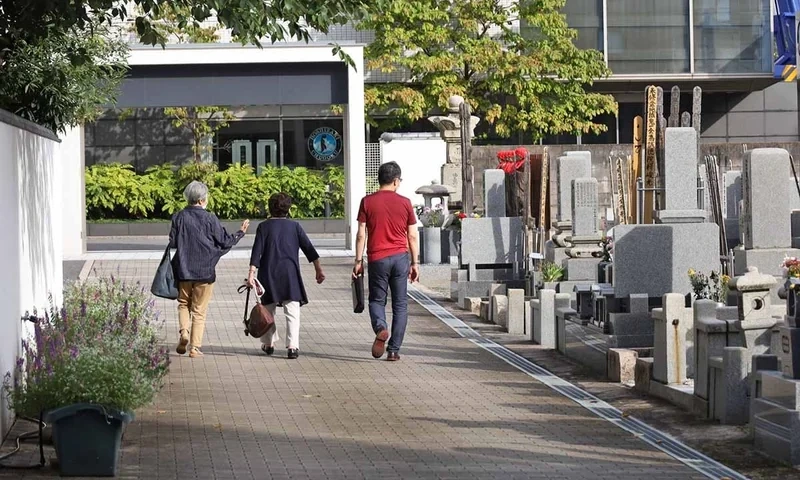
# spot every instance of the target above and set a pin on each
(432, 235)
(436, 191)
(755, 319)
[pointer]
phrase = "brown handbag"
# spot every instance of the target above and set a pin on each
(260, 320)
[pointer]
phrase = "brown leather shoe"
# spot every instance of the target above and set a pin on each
(183, 342)
(393, 357)
(379, 345)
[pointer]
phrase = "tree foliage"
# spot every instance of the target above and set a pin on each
(203, 122)
(530, 79)
(45, 83)
(56, 44)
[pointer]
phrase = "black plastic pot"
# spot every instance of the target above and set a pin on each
(87, 439)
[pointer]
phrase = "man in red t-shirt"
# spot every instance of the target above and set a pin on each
(388, 226)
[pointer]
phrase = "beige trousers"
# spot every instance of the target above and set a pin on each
(193, 299)
(292, 312)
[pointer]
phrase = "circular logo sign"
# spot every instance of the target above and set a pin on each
(325, 144)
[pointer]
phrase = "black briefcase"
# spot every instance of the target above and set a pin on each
(357, 286)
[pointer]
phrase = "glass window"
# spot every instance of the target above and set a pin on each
(249, 142)
(586, 16)
(648, 36)
(732, 36)
(313, 143)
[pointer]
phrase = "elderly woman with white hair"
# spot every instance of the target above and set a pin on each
(200, 240)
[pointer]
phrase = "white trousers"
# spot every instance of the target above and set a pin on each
(291, 311)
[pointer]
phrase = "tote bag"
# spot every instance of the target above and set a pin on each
(165, 285)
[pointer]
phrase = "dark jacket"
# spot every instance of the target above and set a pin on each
(276, 255)
(200, 240)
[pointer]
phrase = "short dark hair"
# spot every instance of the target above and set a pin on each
(388, 173)
(279, 205)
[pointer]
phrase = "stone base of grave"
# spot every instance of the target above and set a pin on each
(482, 274)
(655, 258)
(554, 253)
(585, 344)
(681, 395)
(581, 269)
(630, 330)
(680, 216)
(776, 417)
(436, 277)
(622, 365)
(569, 286)
(460, 291)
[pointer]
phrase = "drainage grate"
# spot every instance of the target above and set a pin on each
(660, 440)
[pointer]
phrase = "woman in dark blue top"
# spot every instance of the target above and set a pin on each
(276, 257)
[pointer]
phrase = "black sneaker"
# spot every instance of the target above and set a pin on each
(293, 353)
(267, 350)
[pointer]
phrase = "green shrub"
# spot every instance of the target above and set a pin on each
(116, 192)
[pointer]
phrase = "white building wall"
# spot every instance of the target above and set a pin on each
(30, 239)
(420, 156)
(354, 126)
(72, 185)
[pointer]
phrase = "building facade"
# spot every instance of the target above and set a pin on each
(724, 46)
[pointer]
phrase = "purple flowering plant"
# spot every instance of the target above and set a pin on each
(101, 347)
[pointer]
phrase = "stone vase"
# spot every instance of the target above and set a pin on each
(432, 245)
(601, 272)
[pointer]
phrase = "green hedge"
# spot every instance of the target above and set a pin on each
(116, 191)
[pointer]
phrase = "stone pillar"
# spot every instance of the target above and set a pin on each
(673, 327)
(450, 129)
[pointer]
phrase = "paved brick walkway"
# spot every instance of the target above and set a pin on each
(447, 410)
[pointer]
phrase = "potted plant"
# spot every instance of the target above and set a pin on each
(432, 219)
(551, 275)
(709, 287)
(87, 367)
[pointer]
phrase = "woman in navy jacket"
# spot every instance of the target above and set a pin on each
(276, 258)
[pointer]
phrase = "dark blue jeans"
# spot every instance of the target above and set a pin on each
(390, 273)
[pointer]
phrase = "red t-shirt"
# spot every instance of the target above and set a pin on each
(387, 215)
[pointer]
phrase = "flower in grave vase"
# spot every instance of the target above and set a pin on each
(791, 267)
(713, 286)
(453, 221)
(430, 216)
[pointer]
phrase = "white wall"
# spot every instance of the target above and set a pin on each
(354, 127)
(72, 185)
(31, 237)
(420, 157)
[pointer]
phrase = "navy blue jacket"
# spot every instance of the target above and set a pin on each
(200, 240)
(276, 254)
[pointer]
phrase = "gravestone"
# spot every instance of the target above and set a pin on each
(494, 191)
(570, 166)
(584, 207)
(680, 178)
(766, 213)
(584, 251)
(765, 191)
